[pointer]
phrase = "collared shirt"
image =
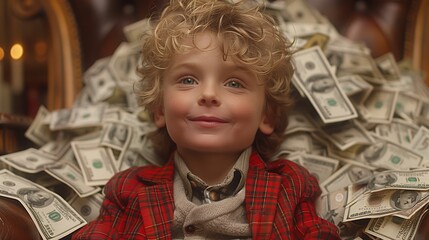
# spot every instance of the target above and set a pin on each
(199, 192)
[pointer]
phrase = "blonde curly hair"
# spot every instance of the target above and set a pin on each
(245, 33)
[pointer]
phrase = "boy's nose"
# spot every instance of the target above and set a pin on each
(209, 97)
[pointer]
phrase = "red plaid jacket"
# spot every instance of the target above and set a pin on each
(279, 202)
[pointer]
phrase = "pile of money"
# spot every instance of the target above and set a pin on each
(360, 125)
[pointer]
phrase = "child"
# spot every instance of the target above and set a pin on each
(216, 81)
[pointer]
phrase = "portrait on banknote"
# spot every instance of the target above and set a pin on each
(320, 83)
(405, 199)
(116, 135)
(35, 197)
(381, 180)
(374, 151)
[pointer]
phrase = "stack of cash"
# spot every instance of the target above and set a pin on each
(360, 125)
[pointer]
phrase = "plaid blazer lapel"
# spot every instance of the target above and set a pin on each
(157, 210)
(156, 201)
(262, 189)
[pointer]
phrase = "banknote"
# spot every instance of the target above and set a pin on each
(298, 121)
(346, 134)
(357, 89)
(411, 180)
(347, 175)
(388, 67)
(71, 175)
(30, 160)
(388, 155)
(319, 166)
(398, 131)
(408, 104)
(73, 118)
(124, 62)
(52, 215)
(39, 132)
(385, 203)
(420, 144)
(136, 31)
(321, 87)
(87, 207)
(96, 162)
(391, 227)
(99, 80)
(330, 206)
(379, 107)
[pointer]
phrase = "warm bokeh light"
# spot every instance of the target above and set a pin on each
(16, 51)
(1, 54)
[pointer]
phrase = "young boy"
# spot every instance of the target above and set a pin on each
(216, 81)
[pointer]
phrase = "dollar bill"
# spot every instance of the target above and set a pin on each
(411, 180)
(388, 67)
(298, 121)
(387, 155)
(52, 215)
(346, 134)
(379, 106)
(29, 160)
(71, 175)
(408, 105)
(319, 166)
(73, 118)
(99, 80)
(96, 162)
(398, 131)
(39, 132)
(420, 144)
(330, 206)
(357, 89)
(385, 203)
(136, 31)
(347, 175)
(321, 87)
(391, 227)
(124, 62)
(87, 207)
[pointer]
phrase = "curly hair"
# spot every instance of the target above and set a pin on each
(245, 33)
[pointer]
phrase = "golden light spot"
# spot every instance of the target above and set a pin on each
(16, 51)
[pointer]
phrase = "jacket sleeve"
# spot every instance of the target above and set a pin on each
(119, 215)
(309, 225)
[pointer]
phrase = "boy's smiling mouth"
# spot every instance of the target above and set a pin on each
(208, 121)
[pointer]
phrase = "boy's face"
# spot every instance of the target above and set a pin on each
(209, 104)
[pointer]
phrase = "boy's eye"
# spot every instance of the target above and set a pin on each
(233, 84)
(188, 81)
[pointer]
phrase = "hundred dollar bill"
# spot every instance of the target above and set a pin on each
(39, 132)
(88, 207)
(355, 88)
(385, 203)
(135, 32)
(379, 107)
(82, 117)
(315, 78)
(52, 215)
(319, 166)
(72, 177)
(124, 62)
(412, 180)
(96, 162)
(99, 80)
(348, 174)
(399, 131)
(300, 11)
(388, 155)
(420, 144)
(330, 206)
(391, 227)
(346, 134)
(29, 160)
(298, 121)
(388, 67)
(297, 142)
(408, 104)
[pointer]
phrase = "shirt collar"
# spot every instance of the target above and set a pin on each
(240, 168)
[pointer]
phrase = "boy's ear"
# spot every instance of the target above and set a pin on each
(159, 118)
(266, 126)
